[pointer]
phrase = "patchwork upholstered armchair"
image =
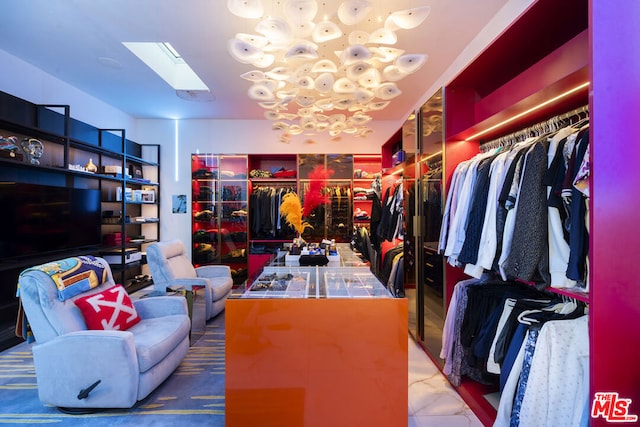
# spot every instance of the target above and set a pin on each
(94, 346)
(170, 267)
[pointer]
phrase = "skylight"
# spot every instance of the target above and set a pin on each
(165, 60)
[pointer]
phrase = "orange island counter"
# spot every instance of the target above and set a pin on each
(316, 347)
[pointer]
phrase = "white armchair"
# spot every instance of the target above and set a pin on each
(170, 267)
(78, 368)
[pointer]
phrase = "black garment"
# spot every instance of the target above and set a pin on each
(528, 257)
(501, 213)
(553, 180)
(387, 263)
(376, 216)
(265, 221)
(385, 217)
(578, 236)
(433, 205)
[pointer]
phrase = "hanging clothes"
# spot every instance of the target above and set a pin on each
(392, 218)
(432, 206)
(392, 270)
(264, 213)
(548, 385)
(504, 211)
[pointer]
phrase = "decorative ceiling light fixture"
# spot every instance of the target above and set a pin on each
(307, 66)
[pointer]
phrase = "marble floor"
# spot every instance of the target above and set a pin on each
(432, 400)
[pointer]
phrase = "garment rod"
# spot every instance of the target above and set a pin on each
(522, 134)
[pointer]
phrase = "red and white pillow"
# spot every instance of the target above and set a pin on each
(110, 309)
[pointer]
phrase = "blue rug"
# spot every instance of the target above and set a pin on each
(193, 395)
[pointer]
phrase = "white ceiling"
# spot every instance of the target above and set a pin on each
(80, 42)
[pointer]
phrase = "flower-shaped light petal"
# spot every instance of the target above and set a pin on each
(388, 90)
(324, 82)
(306, 111)
(287, 94)
(295, 130)
(386, 53)
(324, 66)
(365, 131)
(263, 61)
(338, 125)
(343, 103)
(260, 92)
(279, 126)
(272, 115)
(250, 9)
(305, 100)
(253, 76)
(242, 51)
(308, 123)
(364, 96)
(275, 29)
(370, 79)
(279, 73)
(302, 50)
(339, 117)
(357, 70)
(377, 105)
(298, 11)
(410, 18)
(392, 73)
(410, 63)
(351, 12)
(325, 104)
(255, 40)
(354, 53)
(383, 36)
(360, 118)
(305, 82)
(344, 85)
(268, 105)
(325, 31)
(272, 85)
(322, 126)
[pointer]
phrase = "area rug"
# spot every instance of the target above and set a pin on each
(193, 395)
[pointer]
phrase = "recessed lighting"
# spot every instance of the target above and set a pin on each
(110, 62)
(165, 60)
(530, 110)
(196, 95)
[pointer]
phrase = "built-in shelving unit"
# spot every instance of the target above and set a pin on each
(68, 189)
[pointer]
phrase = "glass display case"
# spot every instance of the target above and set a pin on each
(315, 282)
(284, 284)
(353, 284)
(219, 209)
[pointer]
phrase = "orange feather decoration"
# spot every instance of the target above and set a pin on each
(291, 210)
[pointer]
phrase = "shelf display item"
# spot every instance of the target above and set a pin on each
(34, 150)
(91, 167)
(279, 285)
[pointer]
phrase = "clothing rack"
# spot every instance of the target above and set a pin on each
(257, 185)
(538, 129)
(435, 164)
